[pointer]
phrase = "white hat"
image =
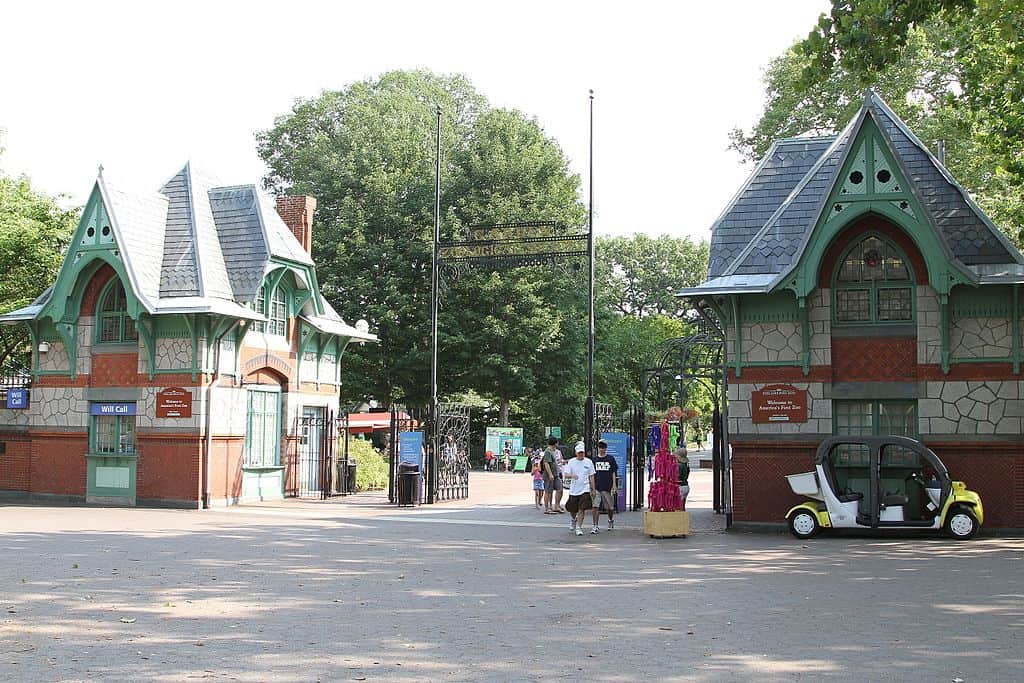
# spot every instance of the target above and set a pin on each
(580, 448)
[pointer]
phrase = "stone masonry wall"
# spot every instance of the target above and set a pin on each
(173, 354)
(771, 341)
(819, 314)
(929, 326)
(990, 407)
(819, 411)
(980, 338)
(86, 329)
(59, 407)
(56, 359)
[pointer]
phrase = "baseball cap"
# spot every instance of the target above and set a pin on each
(580, 448)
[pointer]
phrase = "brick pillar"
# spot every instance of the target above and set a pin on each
(297, 213)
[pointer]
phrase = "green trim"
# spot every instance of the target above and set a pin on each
(805, 336)
(739, 340)
(144, 328)
(771, 364)
(944, 324)
(191, 322)
(1015, 330)
(942, 274)
(1001, 359)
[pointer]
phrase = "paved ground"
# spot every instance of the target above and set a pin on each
(357, 590)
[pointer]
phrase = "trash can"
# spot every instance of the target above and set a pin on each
(351, 481)
(408, 483)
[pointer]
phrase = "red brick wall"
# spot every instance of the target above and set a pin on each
(226, 467)
(168, 466)
(93, 289)
(58, 462)
(15, 463)
(115, 370)
(996, 472)
(760, 490)
(874, 359)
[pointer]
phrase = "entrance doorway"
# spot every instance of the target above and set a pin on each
(311, 470)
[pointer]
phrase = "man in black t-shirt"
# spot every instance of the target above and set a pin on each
(606, 481)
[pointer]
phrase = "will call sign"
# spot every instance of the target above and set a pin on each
(779, 403)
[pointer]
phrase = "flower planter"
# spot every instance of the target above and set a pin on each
(666, 524)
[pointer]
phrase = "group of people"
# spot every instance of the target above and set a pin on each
(592, 482)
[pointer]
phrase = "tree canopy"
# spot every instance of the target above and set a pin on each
(34, 233)
(953, 69)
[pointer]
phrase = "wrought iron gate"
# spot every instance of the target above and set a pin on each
(449, 472)
(312, 460)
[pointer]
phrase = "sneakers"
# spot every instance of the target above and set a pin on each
(572, 524)
(595, 530)
(579, 532)
(611, 524)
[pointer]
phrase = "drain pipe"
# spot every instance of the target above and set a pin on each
(214, 376)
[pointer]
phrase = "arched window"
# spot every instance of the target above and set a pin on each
(276, 311)
(873, 284)
(114, 323)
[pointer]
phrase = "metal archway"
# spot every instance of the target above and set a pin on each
(677, 365)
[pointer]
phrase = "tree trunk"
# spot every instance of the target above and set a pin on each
(503, 411)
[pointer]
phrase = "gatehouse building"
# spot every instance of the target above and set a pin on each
(861, 290)
(184, 337)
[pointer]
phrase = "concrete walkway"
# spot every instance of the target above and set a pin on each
(355, 589)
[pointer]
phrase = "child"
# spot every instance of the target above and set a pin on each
(538, 481)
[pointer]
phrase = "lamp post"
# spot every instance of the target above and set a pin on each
(590, 407)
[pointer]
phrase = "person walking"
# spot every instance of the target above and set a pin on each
(683, 463)
(579, 472)
(552, 478)
(606, 484)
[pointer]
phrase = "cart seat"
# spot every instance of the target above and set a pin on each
(849, 497)
(893, 499)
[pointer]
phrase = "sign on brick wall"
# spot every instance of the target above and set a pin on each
(778, 403)
(174, 402)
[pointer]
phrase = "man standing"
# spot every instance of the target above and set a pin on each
(580, 474)
(606, 482)
(552, 477)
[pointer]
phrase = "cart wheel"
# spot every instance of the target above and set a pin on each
(803, 524)
(961, 523)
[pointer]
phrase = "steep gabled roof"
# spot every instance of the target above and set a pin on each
(764, 231)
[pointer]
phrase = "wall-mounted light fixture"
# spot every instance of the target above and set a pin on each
(363, 327)
(44, 346)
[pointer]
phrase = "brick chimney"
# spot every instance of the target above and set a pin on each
(297, 213)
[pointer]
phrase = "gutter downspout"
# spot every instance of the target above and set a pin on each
(208, 436)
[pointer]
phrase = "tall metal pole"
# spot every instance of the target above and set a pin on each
(590, 407)
(434, 440)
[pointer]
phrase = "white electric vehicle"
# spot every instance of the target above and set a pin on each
(883, 482)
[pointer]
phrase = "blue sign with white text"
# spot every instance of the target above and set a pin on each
(17, 397)
(112, 409)
(618, 448)
(410, 448)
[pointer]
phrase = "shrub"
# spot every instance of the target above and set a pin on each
(371, 466)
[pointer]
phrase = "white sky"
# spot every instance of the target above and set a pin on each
(142, 87)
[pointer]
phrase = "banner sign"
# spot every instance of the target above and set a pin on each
(112, 409)
(17, 397)
(174, 402)
(410, 448)
(498, 438)
(778, 403)
(553, 431)
(618, 448)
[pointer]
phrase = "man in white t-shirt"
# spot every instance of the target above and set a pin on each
(579, 472)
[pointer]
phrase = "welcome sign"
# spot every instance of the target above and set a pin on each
(778, 403)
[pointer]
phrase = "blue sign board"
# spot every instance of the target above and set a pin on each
(410, 448)
(112, 409)
(17, 397)
(618, 448)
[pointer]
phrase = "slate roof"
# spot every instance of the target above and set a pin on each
(767, 225)
(197, 246)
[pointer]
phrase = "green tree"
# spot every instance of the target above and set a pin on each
(34, 234)
(922, 70)
(367, 154)
(954, 69)
(639, 275)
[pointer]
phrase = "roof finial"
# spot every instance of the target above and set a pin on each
(100, 170)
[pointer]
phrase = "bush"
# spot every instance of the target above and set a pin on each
(371, 467)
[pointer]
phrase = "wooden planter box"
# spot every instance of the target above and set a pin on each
(666, 524)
